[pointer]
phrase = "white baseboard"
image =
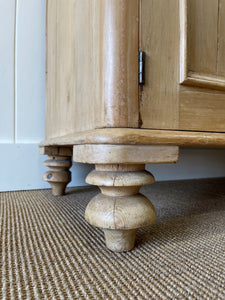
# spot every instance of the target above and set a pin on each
(192, 164)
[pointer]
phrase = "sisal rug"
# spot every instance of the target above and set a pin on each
(48, 251)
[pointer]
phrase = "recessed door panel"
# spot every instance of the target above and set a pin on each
(184, 43)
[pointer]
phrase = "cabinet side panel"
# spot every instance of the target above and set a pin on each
(159, 38)
(74, 66)
(51, 8)
(92, 65)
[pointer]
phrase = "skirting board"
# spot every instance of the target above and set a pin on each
(22, 169)
(192, 164)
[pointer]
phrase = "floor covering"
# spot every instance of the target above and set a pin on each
(48, 250)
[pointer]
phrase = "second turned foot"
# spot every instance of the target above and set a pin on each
(59, 175)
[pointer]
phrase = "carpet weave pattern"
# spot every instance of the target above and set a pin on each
(48, 251)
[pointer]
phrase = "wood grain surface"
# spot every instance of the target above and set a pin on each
(124, 154)
(185, 85)
(92, 65)
(128, 136)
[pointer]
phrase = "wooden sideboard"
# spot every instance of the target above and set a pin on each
(107, 106)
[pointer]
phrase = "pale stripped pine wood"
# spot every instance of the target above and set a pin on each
(120, 210)
(202, 36)
(56, 151)
(206, 27)
(128, 136)
(72, 66)
(125, 154)
(99, 39)
(120, 64)
(59, 175)
(202, 43)
(164, 101)
(92, 65)
(199, 80)
(159, 38)
(221, 42)
(51, 55)
(202, 109)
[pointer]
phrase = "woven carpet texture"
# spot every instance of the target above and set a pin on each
(48, 250)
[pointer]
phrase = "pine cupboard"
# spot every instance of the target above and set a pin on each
(127, 83)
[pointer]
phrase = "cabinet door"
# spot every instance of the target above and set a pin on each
(184, 41)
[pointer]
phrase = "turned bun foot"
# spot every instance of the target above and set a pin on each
(120, 240)
(58, 188)
(59, 175)
(120, 209)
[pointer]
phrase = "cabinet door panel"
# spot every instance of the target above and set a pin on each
(202, 43)
(202, 18)
(193, 58)
(221, 44)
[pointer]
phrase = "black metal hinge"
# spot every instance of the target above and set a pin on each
(141, 68)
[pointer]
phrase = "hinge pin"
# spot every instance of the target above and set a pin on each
(141, 71)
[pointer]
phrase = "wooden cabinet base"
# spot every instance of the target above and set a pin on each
(119, 173)
(120, 209)
(59, 175)
(100, 111)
